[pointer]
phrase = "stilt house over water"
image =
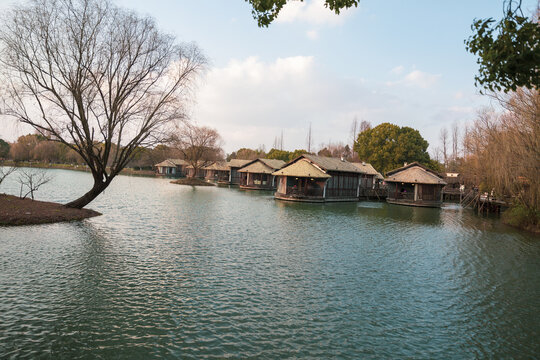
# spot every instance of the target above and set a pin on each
(370, 177)
(314, 178)
(415, 185)
(234, 166)
(172, 167)
(257, 174)
(218, 172)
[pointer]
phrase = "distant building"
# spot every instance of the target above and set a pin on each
(234, 166)
(172, 168)
(454, 187)
(218, 172)
(257, 174)
(201, 172)
(415, 185)
(314, 178)
(453, 180)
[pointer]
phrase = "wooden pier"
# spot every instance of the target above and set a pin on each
(483, 203)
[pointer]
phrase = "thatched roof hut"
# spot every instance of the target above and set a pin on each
(218, 166)
(415, 173)
(257, 174)
(234, 166)
(262, 166)
(416, 185)
(171, 167)
(237, 163)
(303, 168)
(171, 163)
(368, 169)
(218, 172)
(317, 179)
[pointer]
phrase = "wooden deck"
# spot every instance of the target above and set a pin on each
(484, 203)
(418, 203)
(296, 198)
(312, 199)
(255, 187)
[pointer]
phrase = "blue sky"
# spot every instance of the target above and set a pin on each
(402, 62)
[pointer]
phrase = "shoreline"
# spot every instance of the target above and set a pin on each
(529, 228)
(17, 212)
(82, 168)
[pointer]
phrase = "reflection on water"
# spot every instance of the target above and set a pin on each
(176, 271)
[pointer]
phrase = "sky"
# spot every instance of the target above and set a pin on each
(402, 62)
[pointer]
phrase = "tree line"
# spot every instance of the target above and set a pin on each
(385, 146)
(198, 144)
(501, 155)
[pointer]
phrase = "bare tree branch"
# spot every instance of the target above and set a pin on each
(199, 145)
(5, 172)
(31, 180)
(100, 79)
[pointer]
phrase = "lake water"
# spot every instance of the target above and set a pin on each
(174, 271)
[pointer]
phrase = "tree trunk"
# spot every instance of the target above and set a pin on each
(84, 200)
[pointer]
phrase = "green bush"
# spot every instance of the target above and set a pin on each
(521, 216)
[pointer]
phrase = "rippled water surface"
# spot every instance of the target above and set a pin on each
(175, 271)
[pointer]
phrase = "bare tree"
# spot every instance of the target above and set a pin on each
(276, 143)
(436, 154)
(5, 172)
(309, 139)
(365, 126)
(199, 145)
(46, 151)
(455, 141)
(97, 78)
(335, 150)
(443, 137)
(503, 150)
(249, 154)
(354, 131)
(31, 180)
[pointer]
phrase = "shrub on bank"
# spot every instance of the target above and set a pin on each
(522, 217)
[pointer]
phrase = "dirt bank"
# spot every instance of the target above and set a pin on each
(14, 211)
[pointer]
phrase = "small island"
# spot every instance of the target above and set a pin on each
(192, 182)
(17, 211)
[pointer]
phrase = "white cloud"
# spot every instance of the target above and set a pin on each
(251, 101)
(312, 34)
(312, 12)
(398, 70)
(421, 79)
(417, 78)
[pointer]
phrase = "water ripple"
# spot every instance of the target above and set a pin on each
(178, 272)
